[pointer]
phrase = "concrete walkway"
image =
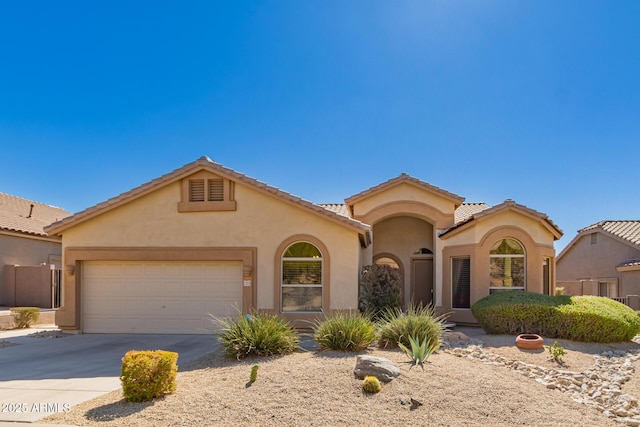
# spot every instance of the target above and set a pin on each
(41, 376)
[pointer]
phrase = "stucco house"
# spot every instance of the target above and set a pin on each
(207, 239)
(602, 259)
(30, 260)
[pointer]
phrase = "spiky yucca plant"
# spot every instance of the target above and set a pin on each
(419, 352)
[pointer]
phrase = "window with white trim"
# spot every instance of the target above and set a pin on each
(301, 281)
(507, 266)
(608, 288)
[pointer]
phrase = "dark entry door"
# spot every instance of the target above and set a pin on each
(422, 280)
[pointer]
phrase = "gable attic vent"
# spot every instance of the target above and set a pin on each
(196, 190)
(216, 190)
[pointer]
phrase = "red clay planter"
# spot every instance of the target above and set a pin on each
(529, 341)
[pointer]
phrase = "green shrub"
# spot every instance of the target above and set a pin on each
(371, 384)
(148, 374)
(345, 332)
(578, 318)
(419, 322)
(380, 289)
(256, 334)
(23, 317)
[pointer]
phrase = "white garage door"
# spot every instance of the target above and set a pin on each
(158, 297)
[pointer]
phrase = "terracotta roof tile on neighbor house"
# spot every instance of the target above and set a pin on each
(207, 164)
(628, 231)
(630, 263)
(26, 216)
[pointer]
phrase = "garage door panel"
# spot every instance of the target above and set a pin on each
(158, 297)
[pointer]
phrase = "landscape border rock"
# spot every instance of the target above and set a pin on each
(598, 387)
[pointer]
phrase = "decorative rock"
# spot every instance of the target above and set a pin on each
(598, 387)
(379, 367)
(455, 337)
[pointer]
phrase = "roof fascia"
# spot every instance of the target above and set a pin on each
(500, 208)
(31, 236)
(404, 179)
(186, 171)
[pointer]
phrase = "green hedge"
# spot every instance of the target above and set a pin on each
(583, 318)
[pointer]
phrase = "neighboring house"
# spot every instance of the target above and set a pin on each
(603, 259)
(205, 239)
(27, 253)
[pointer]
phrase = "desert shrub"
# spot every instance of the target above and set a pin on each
(23, 317)
(256, 334)
(419, 322)
(148, 374)
(556, 351)
(345, 332)
(379, 289)
(578, 318)
(371, 384)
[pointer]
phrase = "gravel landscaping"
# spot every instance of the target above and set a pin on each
(484, 380)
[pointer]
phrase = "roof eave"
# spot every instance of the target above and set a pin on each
(203, 163)
(404, 178)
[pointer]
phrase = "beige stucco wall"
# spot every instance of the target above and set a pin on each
(405, 198)
(629, 283)
(476, 240)
(402, 236)
(22, 250)
(261, 221)
(584, 260)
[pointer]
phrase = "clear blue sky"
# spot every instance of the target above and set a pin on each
(537, 101)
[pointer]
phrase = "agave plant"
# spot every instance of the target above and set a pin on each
(419, 352)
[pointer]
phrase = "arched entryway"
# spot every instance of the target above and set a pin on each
(409, 242)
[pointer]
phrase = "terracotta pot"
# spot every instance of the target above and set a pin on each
(529, 341)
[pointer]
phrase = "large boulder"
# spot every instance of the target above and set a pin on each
(379, 367)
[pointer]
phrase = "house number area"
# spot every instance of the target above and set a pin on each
(34, 407)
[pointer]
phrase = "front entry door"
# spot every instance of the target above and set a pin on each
(422, 281)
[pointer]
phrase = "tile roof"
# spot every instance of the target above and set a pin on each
(186, 170)
(409, 179)
(17, 215)
(467, 210)
(628, 231)
(630, 263)
(508, 204)
(339, 208)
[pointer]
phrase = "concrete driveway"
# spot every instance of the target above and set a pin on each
(41, 376)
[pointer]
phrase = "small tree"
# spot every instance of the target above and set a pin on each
(379, 289)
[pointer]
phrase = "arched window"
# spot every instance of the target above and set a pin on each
(301, 285)
(387, 261)
(507, 265)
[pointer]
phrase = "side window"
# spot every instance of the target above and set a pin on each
(461, 282)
